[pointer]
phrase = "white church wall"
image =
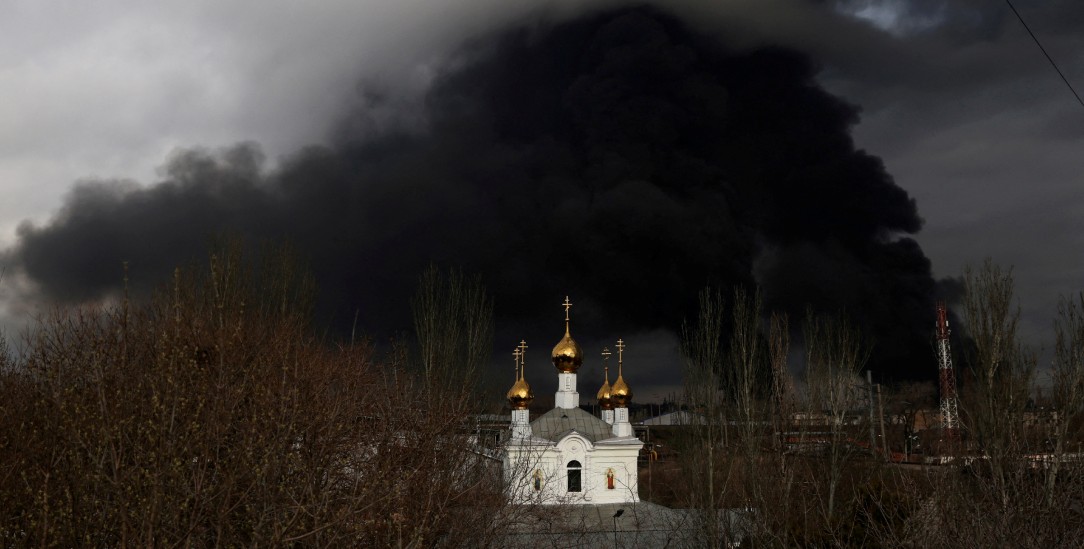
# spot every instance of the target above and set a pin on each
(621, 462)
(550, 463)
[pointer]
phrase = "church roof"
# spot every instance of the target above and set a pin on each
(556, 423)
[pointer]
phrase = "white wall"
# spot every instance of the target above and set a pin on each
(521, 461)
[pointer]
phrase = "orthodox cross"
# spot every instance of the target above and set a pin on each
(568, 305)
(620, 353)
(516, 353)
(522, 354)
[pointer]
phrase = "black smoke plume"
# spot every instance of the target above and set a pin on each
(620, 158)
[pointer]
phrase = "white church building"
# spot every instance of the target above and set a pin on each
(567, 455)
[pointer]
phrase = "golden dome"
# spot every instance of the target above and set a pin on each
(620, 394)
(567, 354)
(520, 395)
(604, 397)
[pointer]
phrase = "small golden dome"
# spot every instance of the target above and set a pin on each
(604, 396)
(605, 401)
(567, 354)
(621, 394)
(520, 395)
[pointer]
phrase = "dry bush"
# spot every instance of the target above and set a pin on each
(1016, 484)
(792, 484)
(211, 415)
(1019, 483)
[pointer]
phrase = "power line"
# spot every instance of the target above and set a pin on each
(1041, 48)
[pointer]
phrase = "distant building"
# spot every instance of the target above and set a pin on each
(678, 418)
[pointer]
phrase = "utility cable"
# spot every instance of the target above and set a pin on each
(1041, 48)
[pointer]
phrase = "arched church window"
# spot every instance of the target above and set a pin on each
(574, 470)
(610, 479)
(537, 482)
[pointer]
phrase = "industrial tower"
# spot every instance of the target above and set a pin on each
(950, 416)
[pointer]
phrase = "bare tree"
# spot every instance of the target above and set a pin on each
(453, 318)
(211, 415)
(835, 355)
(999, 495)
(746, 373)
(726, 372)
(1001, 373)
(745, 366)
(775, 482)
(782, 402)
(453, 323)
(704, 446)
(1067, 388)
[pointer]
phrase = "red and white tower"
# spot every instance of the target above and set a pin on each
(950, 415)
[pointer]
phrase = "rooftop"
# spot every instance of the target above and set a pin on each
(558, 422)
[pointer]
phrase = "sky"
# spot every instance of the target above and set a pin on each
(955, 98)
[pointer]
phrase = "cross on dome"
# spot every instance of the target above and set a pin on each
(568, 305)
(604, 393)
(620, 391)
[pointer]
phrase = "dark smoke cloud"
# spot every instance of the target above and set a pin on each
(619, 157)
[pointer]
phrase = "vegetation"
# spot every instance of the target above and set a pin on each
(213, 414)
(801, 456)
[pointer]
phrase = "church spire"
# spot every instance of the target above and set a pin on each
(621, 395)
(567, 355)
(567, 358)
(520, 395)
(604, 395)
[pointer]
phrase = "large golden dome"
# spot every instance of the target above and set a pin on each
(567, 354)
